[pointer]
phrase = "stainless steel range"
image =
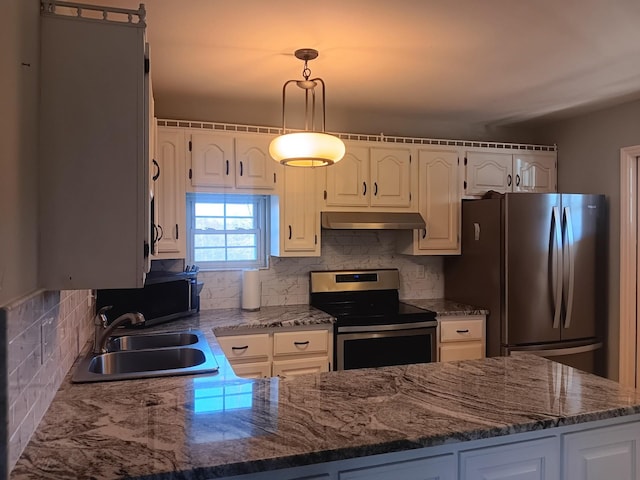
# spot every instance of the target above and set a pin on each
(373, 328)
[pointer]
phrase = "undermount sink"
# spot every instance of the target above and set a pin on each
(157, 340)
(148, 355)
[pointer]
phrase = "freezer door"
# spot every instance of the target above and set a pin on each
(588, 357)
(532, 259)
(584, 284)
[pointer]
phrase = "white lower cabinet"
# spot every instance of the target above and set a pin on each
(530, 460)
(461, 338)
(601, 450)
(295, 367)
(606, 453)
(435, 468)
(279, 353)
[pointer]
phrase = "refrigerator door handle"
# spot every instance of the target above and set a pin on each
(557, 352)
(556, 264)
(568, 224)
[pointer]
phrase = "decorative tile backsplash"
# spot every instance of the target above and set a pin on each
(44, 334)
(286, 282)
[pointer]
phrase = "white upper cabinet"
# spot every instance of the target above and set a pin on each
(255, 169)
(506, 172)
(534, 172)
(295, 217)
(170, 193)
(488, 171)
(232, 161)
(347, 180)
(439, 204)
(370, 177)
(96, 120)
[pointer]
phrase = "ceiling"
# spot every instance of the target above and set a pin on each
(494, 62)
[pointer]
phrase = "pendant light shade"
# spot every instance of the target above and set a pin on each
(310, 147)
(307, 149)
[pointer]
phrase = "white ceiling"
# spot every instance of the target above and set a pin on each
(494, 62)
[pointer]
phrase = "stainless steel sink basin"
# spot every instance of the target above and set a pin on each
(150, 355)
(157, 340)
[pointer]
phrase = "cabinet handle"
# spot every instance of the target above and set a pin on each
(177, 232)
(517, 180)
(240, 348)
(299, 344)
(155, 233)
(466, 330)
(424, 233)
(364, 188)
(509, 180)
(161, 233)
(290, 232)
(157, 175)
(241, 169)
(227, 167)
(375, 189)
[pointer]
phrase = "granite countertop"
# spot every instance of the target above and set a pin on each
(444, 307)
(214, 425)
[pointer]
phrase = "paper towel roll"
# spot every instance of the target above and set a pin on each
(251, 290)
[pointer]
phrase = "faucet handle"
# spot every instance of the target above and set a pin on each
(101, 317)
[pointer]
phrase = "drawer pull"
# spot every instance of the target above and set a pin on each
(466, 330)
(240, 348)
(299, 344)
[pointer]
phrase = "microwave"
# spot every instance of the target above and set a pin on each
(165, 296)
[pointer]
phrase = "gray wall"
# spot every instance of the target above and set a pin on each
(589, 162)
(19, 37)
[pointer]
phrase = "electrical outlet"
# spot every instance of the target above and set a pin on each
(419, 271)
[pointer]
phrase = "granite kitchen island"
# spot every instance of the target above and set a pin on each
(219, 425)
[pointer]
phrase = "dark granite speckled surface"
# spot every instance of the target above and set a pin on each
(208, 426)
(444, 307)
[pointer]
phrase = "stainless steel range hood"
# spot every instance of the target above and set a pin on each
(372, 220)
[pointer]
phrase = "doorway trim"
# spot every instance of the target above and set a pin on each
(629, 374)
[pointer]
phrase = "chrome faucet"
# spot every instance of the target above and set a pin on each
(102, 331)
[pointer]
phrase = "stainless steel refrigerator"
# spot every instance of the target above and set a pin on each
(537, 263)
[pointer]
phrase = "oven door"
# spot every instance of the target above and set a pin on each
(385, 345)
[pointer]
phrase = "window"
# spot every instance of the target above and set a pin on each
(226, 231)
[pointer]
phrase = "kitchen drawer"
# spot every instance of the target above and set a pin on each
(461, 351)
(310, 341)
(461, 330)
(238, 347)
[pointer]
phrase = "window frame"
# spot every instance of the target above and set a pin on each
(261, 218)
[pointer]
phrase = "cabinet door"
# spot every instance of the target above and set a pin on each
(348, 180)
(461, 351)
(534, 172)
(252, 370)
(300, 226)
(212, 160)
(531, 460)
(296, 367)
(170, 193)
(439, 198)
(604, 453)
(390, 177)
(434, 468)
(255, 169)
(488, 171)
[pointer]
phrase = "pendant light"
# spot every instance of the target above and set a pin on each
(311, 147)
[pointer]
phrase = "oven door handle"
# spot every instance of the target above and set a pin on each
(387, 328)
